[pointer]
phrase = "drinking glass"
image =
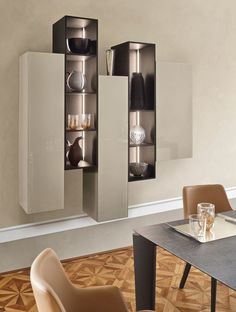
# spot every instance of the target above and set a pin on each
(85, 121)
(207, 210)
(73, 122)
(197, 224)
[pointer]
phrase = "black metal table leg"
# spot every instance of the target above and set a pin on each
(145, 272)
(185, 275)
(213, 294)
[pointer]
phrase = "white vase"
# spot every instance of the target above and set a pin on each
(137, 134)
(76, 81)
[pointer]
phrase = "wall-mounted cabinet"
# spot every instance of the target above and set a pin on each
(105, 191)
(41, 132)
(137, 61)
(174, 111)
(77, 38)
(159, 92)
(60, 128)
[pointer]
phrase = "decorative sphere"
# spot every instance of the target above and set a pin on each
(137, 134)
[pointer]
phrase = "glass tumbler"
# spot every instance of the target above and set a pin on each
(197, 224)
(73, 122)
(207, 210)
(85, 121)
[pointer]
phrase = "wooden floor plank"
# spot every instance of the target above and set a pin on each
(116, 268)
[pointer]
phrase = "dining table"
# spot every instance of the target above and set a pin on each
(216, 258)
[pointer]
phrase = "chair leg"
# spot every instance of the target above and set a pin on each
(185, 275)
(213, 294)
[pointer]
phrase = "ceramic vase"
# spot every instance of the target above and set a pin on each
(137, 92)
(110, 61)
(137, 134)
(76, 81)
(75, 153)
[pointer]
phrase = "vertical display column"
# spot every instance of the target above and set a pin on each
(137, 61)
(77, 38)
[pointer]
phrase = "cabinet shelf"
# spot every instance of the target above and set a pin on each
(142, 178)
(141, 145)
(80, 93)
(77, 54)
(141, 110)
(79, 57)
(80, 130)
(70, 167)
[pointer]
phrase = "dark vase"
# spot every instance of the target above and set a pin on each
(75, 153)
(137, 92)
(68, 145)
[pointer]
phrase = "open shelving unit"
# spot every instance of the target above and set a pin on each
(137, 57)
(86, 100)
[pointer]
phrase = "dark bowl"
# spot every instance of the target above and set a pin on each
(93, 47)
(79, 45)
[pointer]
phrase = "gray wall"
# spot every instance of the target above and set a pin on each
(196, 31)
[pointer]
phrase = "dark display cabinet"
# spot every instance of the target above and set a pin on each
(138, 61)
(77, 39)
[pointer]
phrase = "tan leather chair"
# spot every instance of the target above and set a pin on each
(210, 193)
(192, 195)
(54, 292)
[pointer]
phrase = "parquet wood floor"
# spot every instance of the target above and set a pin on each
(116, 268)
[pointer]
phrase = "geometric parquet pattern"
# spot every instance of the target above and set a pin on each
(116, 268)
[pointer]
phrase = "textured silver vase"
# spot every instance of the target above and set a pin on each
(137, 134)
(110, 61)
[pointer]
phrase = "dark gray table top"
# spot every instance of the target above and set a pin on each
(216, 258)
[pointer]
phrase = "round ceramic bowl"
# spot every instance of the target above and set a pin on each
(79, 45)
(138, 169)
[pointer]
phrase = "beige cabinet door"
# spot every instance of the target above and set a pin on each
(105, 191)
(174, 110)
(41, 132)
(113, 147)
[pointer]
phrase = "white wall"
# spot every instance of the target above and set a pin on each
(201, 32)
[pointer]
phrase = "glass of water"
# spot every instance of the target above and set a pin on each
(207, 210)
(197, 224)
